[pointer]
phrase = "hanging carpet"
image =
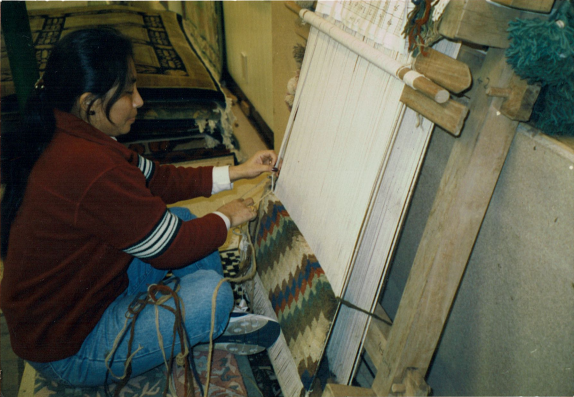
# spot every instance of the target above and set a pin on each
(181, 93)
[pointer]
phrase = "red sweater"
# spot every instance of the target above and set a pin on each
(90, 206)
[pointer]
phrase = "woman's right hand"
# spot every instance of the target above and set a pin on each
(239, 211)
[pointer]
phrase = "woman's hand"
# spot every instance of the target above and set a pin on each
(239, 211)
(262, 161)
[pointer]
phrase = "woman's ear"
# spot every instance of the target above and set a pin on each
(86, 102)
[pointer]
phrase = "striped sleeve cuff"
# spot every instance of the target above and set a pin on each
(158, 240)
(147, 167)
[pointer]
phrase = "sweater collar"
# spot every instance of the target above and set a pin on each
(72, 125)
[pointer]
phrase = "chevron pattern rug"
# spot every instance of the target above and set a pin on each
(297, 287)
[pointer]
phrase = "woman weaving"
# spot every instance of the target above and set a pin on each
(86, 230)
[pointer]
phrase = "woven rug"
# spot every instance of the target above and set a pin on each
(297, 289)
(264, 375)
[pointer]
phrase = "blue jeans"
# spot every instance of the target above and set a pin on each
(197, 282)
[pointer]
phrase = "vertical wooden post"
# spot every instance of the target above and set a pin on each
(453, 225)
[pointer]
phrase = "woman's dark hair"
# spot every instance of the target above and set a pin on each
(87, 60)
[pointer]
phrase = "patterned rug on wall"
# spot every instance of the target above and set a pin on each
(182, 95)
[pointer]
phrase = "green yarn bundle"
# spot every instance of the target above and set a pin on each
(542, 52)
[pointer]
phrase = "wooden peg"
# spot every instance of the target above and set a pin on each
(426, 86)
(398, 388)
(449, 115)
(519, 98)
(498, 92)
(447, 72)
(412, 384)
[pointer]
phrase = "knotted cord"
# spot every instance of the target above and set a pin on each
(151, 298)
(156, 295)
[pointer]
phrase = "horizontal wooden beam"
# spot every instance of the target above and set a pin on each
(477, 21)
(544, 6)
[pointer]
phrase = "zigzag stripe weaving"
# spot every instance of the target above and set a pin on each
(297, 287)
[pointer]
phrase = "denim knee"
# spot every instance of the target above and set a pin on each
(197, 291)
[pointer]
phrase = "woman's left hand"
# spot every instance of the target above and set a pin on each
(262, 161)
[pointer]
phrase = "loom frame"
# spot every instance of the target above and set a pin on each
(402, 353)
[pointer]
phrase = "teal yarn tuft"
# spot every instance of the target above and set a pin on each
(542, 52)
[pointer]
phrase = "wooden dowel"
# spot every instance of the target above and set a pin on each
(376, 57)
(498, 92)
(296, 8)
(430, 89)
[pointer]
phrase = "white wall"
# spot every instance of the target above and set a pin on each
(247, 26)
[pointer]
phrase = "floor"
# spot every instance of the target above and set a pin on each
(249, 142)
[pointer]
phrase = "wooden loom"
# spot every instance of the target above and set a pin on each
(497, 101)
(368, 130)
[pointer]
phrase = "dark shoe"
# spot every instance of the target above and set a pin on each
(247, 334)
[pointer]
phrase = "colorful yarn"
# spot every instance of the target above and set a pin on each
(418, 25)
(542, 52)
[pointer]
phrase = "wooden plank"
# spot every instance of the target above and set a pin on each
(451, 230)
(447, 72)
(478, 22)
(544, 6)
(449, 115)
(377, 335)
(332, 390)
